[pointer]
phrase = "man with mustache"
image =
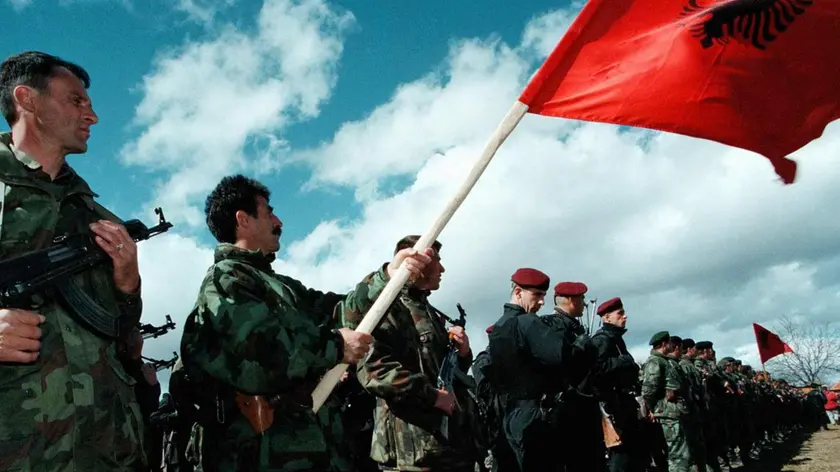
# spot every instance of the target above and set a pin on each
(66, 402)
(402, 370)
(255, 332)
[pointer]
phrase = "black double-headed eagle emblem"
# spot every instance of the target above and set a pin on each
(756, 22)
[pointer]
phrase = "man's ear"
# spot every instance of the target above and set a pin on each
(243, 220)
(24, 97)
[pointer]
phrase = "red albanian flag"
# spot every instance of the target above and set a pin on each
(762, 75)
(770, 344)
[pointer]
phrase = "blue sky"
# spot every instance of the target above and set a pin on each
(389, 43)
(364, 117)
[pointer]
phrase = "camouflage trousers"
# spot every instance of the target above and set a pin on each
(679, 454)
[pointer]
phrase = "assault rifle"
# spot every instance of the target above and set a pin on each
(149, 331)
(52, 267)
(449, 370)
(160, 365)
(611, 436)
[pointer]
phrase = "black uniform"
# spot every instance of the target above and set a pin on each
(575, 415)
(524, 349)
(616, 384)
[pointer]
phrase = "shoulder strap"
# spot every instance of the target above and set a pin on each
(104, 213)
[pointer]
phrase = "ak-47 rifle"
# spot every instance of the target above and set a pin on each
(160, 365)
(52, 267)
(449, 370)
(611, 436)
(149, 331)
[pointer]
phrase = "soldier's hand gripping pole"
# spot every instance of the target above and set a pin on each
(377, 311)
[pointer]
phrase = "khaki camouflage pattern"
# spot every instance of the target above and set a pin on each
(659, 375)
(694, 422)
(74, 407)
(679, 454)
(263, 333)
(401, 371)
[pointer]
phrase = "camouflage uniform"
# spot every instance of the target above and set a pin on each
(696, 397)
(658, 376)
(74, 407)
(261, 333)
(401, 371)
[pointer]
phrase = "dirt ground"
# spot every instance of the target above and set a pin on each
(817, 452)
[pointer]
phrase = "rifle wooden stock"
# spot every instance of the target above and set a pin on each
(611, 436)
(257, 410)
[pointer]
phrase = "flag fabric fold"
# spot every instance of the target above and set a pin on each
(770, 344)
(760, 75)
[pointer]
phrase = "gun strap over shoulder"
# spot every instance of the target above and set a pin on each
(105, 213)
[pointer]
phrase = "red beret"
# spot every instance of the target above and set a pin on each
(490, 329)
(530, 278)
(609, 306)
(570, 289)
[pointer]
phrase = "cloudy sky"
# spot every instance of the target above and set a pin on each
(364, 117)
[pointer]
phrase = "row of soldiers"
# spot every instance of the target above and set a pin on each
(569, 402)
(256, 342)
(566, 401)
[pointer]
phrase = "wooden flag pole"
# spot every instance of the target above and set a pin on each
(377, 311)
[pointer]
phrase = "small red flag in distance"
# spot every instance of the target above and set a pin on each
(769, 344)
(760, 75)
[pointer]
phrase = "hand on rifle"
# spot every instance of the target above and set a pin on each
(415, 262)
(115, 241)
(356, 345)
(149, 373)
(445, 402)
(20, 335)
(459, 336)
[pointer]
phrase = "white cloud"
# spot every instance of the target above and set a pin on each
(203, 11)
(206, 99)
(19, 5)
(698, 238)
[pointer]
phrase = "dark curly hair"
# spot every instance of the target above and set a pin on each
(410, 240)
(234, 193)
(33, 69)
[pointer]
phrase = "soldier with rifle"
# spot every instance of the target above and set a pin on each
(572, 400)
(257, 342)
(147, 390)
(523, 350)
(424, 416)
(616, 385)
(69, 283)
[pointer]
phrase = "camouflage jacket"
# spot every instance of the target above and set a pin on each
(695, 381)
(261, 333)
(401, 371)
(74, 407)
(660, 374)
